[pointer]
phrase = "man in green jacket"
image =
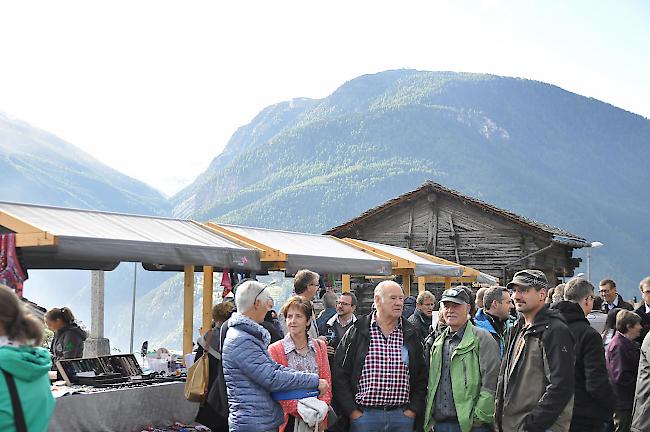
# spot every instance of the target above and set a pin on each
(463, 371)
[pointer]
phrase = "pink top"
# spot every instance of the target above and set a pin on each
(290, 407)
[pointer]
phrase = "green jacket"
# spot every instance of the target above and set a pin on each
(474, 373)
(28, 365)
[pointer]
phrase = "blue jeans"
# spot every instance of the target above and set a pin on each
(455, 427)
(377, 420)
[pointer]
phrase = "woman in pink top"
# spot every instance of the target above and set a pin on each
(299, 351)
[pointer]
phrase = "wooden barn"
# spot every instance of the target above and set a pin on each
(465, 230)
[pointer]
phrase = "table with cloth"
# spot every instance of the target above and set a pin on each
(123, 409)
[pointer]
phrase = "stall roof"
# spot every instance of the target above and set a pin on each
(481, 277)
(56, 237)
(319, 253)
(423, 265)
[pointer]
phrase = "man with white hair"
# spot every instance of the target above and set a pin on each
(250, 373)
(379, 368)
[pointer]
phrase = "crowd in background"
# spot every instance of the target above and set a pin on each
(520, 357)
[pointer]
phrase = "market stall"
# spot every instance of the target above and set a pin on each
(61, 238)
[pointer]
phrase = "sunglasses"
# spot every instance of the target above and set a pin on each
(264, 286)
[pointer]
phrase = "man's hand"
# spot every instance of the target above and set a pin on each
(323, 386)
(330, 350)
(409, 413)
(355, 414)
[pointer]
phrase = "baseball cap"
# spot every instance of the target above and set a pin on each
(529, 278)
(455, 295)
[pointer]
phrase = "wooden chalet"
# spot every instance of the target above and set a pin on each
(467, 231)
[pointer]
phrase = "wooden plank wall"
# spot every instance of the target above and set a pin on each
(482, 240)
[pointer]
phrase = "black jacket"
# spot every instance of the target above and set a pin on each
(645, 322)
(621, 304)
(422, 323)
(536, 387)
(349, 360)
(68, 343)
(593, 393)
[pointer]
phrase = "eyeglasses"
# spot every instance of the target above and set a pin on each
(340, 303)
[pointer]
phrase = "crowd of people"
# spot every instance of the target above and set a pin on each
(520, 357)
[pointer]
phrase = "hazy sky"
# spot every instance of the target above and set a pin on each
(156, 88)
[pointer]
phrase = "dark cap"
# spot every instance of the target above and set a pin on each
(529, 278)
(455, 295)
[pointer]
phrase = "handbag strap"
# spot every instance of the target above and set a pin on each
(19, 417)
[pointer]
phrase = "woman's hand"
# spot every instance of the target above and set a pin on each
(323, 386)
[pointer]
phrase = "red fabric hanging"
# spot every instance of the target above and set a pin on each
(226, 283)
(11, 272)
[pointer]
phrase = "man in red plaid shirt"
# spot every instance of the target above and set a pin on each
(379, 371)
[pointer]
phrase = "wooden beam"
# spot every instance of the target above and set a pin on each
(454, 236)
(17, 225)
(445, 279)
(406, 283)
(435, 226)
(447, 283)
(208, 284)
(267, 253)
(410, 233)
(422, 284)
(42, 238)
(396, 262)
(345, 283)
(188, 310)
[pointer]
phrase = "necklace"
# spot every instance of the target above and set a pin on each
(302, 347)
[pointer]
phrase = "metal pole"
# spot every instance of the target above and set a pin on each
(135, 279)
(589, 264)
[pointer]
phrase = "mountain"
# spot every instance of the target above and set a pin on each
(41, 168)
(526, 146)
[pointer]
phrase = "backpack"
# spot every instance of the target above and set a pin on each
(218, 396)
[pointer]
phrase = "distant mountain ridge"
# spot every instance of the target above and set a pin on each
(522, 145)
(41, 168)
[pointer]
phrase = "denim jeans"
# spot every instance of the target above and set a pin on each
(382, 421)
(455, 427)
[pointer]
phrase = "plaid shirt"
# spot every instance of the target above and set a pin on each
(385, 375)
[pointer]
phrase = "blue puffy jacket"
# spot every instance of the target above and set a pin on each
(251, 375)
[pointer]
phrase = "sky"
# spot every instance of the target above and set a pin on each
(155, 89)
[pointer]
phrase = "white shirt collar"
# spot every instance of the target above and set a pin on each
(335, 317)
(647, 309)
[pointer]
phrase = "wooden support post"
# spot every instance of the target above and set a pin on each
(406, 283)
(345, 283)
(208, 279)
(422, 285)
(188, 310)
(447, 283)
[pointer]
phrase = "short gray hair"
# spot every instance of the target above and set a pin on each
(578, 289)
(480, 294)
(247, 292)
(379, 289)
(425, 295)
(329, 299)
(493, 294)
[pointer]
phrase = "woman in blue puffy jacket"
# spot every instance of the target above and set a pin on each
(250, 373)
